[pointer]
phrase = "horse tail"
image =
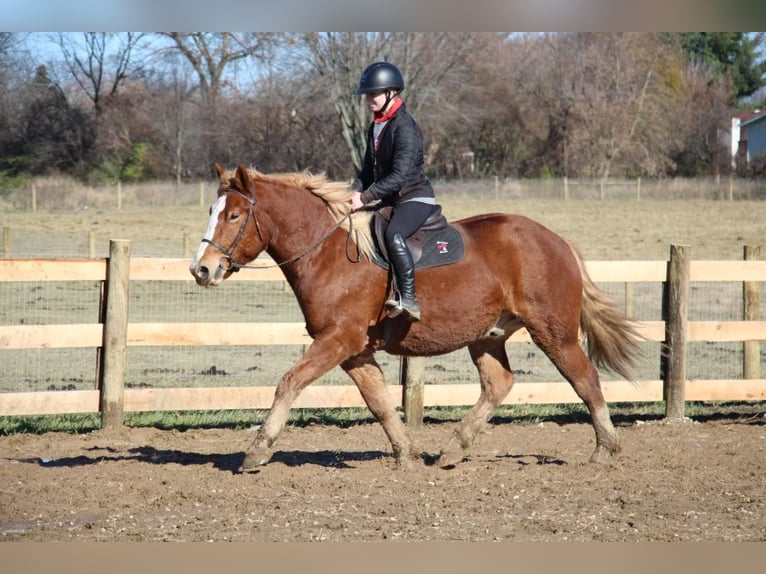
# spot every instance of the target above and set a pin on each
(611, 338)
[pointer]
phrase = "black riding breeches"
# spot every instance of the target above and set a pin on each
(407, 218)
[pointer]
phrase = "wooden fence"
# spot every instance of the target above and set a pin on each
(114, 334)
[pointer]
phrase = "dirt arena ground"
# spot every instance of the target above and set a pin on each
(692, 481)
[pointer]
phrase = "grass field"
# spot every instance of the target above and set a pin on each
(156, 217)
(603, 230)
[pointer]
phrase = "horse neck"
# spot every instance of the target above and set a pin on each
(297, 220)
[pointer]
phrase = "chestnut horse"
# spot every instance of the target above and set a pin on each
(515, 273)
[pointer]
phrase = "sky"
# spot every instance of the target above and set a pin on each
(377, 15)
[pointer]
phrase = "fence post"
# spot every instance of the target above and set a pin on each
(411, 370)
(638, 189)
(675, 313)
(752, 312)
(566, 188)
(119, 196)
(34, 198)
(6, 242)
(112, 396)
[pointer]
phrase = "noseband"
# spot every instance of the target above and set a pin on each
(228, 254)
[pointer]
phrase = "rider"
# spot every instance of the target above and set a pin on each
(393, 172)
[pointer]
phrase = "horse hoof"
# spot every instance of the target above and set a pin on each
(253, 460)
(602, 454)
(450, 459)
(407, 461)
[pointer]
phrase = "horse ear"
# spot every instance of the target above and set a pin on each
(243, 178)
(219, 171)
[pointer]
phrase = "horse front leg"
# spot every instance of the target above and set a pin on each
(320, 357)
(371, 382)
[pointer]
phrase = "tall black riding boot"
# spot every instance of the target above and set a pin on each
(404, 274)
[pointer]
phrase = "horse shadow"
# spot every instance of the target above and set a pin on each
(530, 459)
(231, 462)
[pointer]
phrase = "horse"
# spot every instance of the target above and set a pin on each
(515, 273)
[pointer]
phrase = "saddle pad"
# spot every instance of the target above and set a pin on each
(439, 247)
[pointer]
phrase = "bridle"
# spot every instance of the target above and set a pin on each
(228, 253)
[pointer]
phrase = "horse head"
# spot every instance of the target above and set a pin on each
(233, 237)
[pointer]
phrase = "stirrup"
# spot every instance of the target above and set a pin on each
(396, 308)
(393, 308)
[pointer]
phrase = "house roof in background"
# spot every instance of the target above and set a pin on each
(751, 117)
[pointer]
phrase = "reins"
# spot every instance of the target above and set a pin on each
(308, 250)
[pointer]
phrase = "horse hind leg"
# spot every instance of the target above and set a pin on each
(496, 380)
(571, 361)
(370, 381)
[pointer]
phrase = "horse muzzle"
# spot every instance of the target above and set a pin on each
(207, 277)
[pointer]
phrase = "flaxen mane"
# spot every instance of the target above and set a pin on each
(336, 195)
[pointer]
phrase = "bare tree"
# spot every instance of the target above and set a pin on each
(99, 62)
(620, 73)
(703, 117)
(212, 54)
(175, 115)
(599, 101)
(494, 120)
(7, 40)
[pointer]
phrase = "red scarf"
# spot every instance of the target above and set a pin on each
(395, 105)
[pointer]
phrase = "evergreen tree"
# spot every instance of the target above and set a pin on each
(731, 54)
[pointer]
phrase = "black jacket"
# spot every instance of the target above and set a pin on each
(397, 170)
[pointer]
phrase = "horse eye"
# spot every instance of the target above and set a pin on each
(233, 216)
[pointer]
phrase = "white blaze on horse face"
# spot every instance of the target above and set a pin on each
(215, 211)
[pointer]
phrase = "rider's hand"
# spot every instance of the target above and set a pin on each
(356, 201)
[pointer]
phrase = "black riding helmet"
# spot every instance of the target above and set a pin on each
(379, 77)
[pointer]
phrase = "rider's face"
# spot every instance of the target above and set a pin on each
(376, 101)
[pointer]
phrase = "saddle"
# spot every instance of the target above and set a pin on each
(435, 243)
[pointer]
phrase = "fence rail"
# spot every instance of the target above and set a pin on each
(114, 333)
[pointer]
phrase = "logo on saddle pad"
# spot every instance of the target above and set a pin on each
(442, 247)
